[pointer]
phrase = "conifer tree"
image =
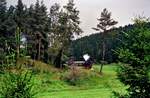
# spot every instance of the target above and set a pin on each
(2, 17)
(2, 10)
(20, 15)
(105, 23)
(20, 20)
(37, 31)
(7, 26)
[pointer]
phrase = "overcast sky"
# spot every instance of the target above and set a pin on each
(122, 10)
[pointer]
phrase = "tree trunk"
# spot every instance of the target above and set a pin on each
(103, 52)
(18, 31)
(17, 53)
(57, 61)
(39, 49)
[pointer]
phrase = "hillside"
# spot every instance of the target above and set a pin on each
(92, 44)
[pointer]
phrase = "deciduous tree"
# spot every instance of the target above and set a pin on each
(68, 27)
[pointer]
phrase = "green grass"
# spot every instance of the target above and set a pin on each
(89, 93)
(49, 83)
(97, 86)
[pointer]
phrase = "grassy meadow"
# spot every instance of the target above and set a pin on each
(50, 82)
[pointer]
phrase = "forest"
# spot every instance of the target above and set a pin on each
(39, 52)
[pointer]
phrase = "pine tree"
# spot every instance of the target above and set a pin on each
(10, 22)
(2, 28)
(20, 15)
(2, 17)
(7, 31)
(37, 31)
(3, 10)
(105, 23)
(7, 26)
(20, 21)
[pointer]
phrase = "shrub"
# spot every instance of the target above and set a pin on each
(135, 54)
(119, 95)
(16, 85)
(73, 76)
(78, 76)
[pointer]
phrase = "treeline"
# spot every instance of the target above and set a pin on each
(92, 44)
(44, 35)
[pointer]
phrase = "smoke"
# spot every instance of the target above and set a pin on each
(86, 57)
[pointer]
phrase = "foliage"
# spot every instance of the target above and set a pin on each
(55, 44)
(16, 85)
(135, 55)
(20, 16)
(37, 32)
(77, 76)
(90, 83)
(92, 44)
(105, 23)
(119, 95)
(7, 26)
(73, 76)
(44, 32)
(67, 28)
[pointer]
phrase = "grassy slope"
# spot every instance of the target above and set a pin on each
(49, 85)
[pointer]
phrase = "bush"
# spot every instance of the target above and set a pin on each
(73, 76)
(135, 56)
(119, 95)
(78, 76)
(16, 85)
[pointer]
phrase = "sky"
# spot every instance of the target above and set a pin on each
(123, 11)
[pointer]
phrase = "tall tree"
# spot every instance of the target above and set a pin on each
(54, 21)
(54, 43)
(37, 31)
(2, 16)
(11, 25)
(105, 23)
(2, 10)
(19, 14)
(20, 21)
(7, 27)
(2, 19)
(68, 26)
(2, 29)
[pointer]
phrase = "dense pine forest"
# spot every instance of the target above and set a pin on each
(92, 44)
(41, 55)
(44, 34)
